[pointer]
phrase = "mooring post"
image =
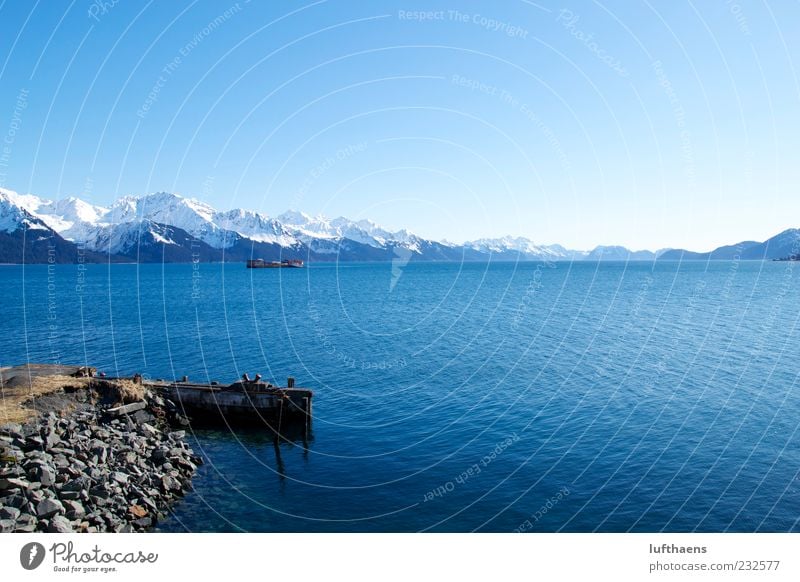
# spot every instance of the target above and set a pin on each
(307, 420)
(290, 382)
(278, 459)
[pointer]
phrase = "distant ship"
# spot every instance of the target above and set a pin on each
(285, 263)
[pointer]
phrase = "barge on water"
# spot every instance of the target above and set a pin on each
(247, 401)
(284, 264)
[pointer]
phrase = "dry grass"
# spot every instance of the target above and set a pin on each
(14, 400)
(125, 391)
(12, 407)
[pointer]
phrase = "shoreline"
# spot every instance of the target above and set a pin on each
(94, 460)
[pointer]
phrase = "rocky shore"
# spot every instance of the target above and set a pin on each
(93, 467)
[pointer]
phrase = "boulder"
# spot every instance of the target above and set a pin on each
(74, 509)
(16, 500)
(46, 476)
(26, 523)
(12, 430)
(119, 477)
(59, 524)
(13, 483)
(48, 508)
(11, 513)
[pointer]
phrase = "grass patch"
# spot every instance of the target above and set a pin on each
(18, 403)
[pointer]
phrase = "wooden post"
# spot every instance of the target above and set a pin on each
(278, 459)
(290, 382)
(307, 420)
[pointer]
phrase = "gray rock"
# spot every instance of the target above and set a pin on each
(170, 484)
(126, 409)
(46, 476)
(13, 483)
(11, 429)
(48, 508)
(15, 500)
(100, 491)
(26, 523)
(148, 502)
(187, 465)
(34, 442)
(59, 524)
(7, 525)
(100, 455)
(160, 456)
(150, 430)
(9, 513)
(13, 470)
(74, 509)
(77, 484)
(52, 439)
(119, 477)
(142, 416)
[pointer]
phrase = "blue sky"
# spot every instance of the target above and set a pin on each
(582, 123)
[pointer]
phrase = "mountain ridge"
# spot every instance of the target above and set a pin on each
(164, 226)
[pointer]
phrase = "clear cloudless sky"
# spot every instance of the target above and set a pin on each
(646, 124)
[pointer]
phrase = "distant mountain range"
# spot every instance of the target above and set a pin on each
(164, 227)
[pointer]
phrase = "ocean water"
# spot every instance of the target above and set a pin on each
(460, 397)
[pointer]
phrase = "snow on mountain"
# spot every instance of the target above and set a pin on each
(124, 237)
(307, 228)
(255, 226)
(71, 217)
(164, 218)
(520, 245)
(366, 232)
(195, 217)
(618, 253)
(14, 212)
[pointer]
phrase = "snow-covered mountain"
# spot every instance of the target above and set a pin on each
(618, 253)
(307, 229)
(523, 247)
(135, 221)
(26, 238)
(166, 226)
(14, 213)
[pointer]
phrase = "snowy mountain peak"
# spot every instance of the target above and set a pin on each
(161, 204)
(521, 245)
(15, 213)
(295, 218)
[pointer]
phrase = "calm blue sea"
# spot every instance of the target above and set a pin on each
(460, 397)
